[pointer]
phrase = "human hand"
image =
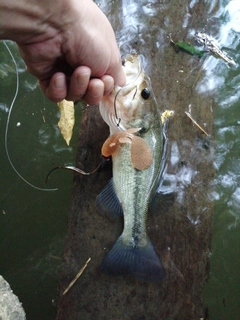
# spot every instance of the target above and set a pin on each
(76, 57)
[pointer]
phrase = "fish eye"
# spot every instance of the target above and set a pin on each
(145, 94)
(142, 130)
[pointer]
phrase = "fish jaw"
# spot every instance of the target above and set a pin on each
(126, 107)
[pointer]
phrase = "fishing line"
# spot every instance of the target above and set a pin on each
(134, 94)
(8, 120)
(115, 107)
(76, 169)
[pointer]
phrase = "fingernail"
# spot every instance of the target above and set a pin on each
(60, 82)
(97, 91)
(83, 79)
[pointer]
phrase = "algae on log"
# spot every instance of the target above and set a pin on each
(180, 227)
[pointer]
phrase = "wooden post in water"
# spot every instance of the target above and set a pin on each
(180, 229)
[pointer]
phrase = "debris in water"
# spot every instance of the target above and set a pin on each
(165, 115)
(44, 120)
(76, 278)
(210, 44)
(195, 122)
(187, 47)
(55, 257)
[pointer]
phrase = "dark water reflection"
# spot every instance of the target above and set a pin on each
(33, 223)
(222, 291)
(222, 81)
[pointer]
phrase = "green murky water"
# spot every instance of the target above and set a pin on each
(33, 223)
(222, 293)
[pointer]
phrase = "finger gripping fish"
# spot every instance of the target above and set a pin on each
(135, 144)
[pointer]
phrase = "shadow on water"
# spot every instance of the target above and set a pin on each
(202, 174)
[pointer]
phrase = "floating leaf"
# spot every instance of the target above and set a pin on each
(190, 49)
(67, 119)
(187, 47)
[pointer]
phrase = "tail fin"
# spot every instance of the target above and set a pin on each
(139, 262)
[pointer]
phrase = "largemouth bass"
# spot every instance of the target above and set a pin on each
(135, 144)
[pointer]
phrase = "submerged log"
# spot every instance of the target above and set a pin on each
(180, 225)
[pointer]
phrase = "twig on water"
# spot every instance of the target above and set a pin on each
(190, 117)
(76, 278)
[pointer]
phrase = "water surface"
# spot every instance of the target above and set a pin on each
(33, 223)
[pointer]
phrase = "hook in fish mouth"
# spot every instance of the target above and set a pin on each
(115, 107)
(132, 74)
(124, 91)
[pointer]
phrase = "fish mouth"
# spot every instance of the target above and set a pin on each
(129, 103)
(133, 67)
(133, 116)
(124, 91)
(127, 92)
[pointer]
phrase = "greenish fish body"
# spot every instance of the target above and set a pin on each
(133, 108)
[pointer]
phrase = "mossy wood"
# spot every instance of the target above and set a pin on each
(180, 224)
